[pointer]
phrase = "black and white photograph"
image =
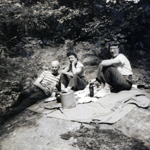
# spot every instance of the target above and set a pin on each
(74, 75)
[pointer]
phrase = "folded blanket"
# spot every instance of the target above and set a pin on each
(108, 109)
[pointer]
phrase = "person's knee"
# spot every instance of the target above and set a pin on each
(128, 86)
(27, 92)
(62, 76)
(109, 69)
(100, 66)
(75, 76)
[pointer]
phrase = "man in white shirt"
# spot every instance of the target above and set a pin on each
(115, 72)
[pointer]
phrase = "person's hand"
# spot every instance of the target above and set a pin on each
(46, 91)
(64, 72)
(53, 87)
(73, 60)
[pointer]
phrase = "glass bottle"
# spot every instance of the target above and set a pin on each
(91, 89)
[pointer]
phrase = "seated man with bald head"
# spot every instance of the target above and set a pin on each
(42, 88)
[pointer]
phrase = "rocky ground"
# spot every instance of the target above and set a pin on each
(30, 130)
(33, 131)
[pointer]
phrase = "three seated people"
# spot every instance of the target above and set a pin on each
(115, 73)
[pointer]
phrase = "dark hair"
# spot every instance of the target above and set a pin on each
(113, 43)
(72, 53)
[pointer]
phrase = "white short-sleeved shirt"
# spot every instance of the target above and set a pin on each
(125, 67)
(79, 65)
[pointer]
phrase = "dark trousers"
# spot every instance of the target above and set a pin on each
(33, 94)
(113, 77)
(75, 82)
(26, 99)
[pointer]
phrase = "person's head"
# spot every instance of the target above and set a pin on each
(72, 57)
(114, 49)
(55, 67)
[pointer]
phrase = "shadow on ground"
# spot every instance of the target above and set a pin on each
(25, 119)
(96, 139)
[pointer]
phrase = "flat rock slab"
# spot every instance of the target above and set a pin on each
(36, 132)
(32, 130)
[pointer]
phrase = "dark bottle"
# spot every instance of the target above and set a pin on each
(91, 89)
(58, 97)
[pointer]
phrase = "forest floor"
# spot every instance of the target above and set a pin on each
(31, 131)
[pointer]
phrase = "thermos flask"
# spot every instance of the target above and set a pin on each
(91, 89)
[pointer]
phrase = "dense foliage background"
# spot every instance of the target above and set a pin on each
(87, 20)
(28, 27)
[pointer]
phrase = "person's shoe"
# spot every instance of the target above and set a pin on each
(3, 114)
(104, 91)
(9, 113)
(15, 103)
(49, 99)
(92, 80)
(65, 90)
(97, 84)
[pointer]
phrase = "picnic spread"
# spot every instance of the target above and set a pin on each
(108, 109)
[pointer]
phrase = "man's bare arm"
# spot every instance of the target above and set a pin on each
(65, 71)
(38, 84)
(110, 62)
(76, 70)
